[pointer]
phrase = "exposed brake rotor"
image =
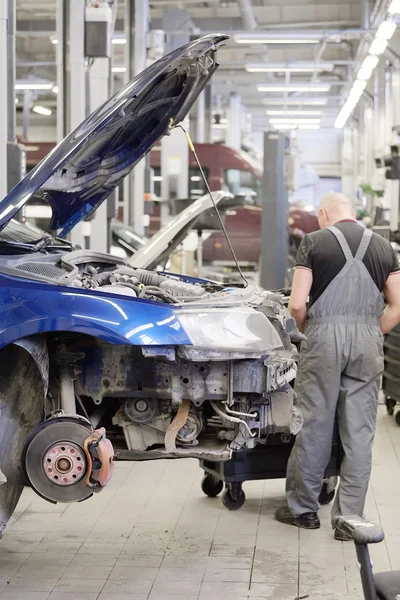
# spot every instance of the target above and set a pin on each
(65, 460)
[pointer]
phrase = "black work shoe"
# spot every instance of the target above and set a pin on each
(341, 536)
(308, 520)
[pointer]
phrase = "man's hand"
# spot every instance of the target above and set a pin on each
(302, 282)
(391, 290)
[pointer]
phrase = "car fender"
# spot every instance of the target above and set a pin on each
(30, 308)
(36, 346)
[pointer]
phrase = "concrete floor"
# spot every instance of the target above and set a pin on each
(153, 535)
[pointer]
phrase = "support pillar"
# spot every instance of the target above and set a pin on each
(3, 98)
(200, 118)
(174, 148)
(61, 60)
(234, 133)
(274, 232)
(393, 187)
(77, 96)
(348, 176)
(99, 82)
(137, 19)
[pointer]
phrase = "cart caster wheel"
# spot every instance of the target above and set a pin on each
(327, 495)
(211, 486)
(234, 497)
(390, 404)
(397, 417)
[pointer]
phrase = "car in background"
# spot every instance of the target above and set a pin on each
(104, 359)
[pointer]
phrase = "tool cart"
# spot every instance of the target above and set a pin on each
(391, 373)
(267, 461)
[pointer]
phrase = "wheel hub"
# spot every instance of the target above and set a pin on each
(64, 463)
(65, 460)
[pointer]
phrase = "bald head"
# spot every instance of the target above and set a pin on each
(334, 208)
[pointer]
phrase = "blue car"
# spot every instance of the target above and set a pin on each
(104, 360)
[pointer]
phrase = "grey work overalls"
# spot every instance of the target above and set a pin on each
(339, 369)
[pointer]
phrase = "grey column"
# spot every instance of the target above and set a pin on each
(3, 98)
(274, 223)
(136, 17)
(11, 70)
(77, 99)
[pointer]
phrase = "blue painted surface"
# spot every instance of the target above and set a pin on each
(28, 307)
(82, 171)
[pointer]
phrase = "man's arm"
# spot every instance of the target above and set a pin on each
(302, 282)
(391, 290)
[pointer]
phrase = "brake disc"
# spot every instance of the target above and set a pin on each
(55, 462)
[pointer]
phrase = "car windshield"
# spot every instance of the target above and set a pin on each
(128, 235)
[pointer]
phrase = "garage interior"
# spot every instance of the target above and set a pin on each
(281, 103)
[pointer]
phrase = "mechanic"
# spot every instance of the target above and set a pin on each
(342, 268)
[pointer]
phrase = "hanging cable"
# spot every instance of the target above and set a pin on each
(192, 148)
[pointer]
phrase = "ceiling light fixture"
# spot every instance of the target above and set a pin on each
(33, 86)
(119, 41)
(55, 89)
(297, 121)
(118, 69)
(294, 88)
(54, 40)
(276, 113)
(271, 40)
(394, 8)
(296, 101)
(290, 68)
(41, 110)
(385, 30)
(378, 47)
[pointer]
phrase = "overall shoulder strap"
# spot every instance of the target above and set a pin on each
(342, 241)
(363, 247)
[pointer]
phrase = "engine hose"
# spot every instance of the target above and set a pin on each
(222, 414)
(156, 291)
(240, 414)
(149, 278)
(134, 287)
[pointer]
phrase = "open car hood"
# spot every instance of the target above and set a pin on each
(160, 246)
(82, 171)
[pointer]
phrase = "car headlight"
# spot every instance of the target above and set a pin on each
(229, 329)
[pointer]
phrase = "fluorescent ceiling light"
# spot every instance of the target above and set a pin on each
(33, 86)
(294, 68)
(378, 47)
(385, 30)
(370, 62)
(294, 88)
(118, 69)
(359, 86)
(394, 7)
(41, 110)
(298, 121)
(265, 40)
(296, 101)
(119, 41)
(276, 113)
(364, 74)
(291, 126)
(219, 125)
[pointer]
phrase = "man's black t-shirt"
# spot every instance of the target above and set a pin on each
(320, 251)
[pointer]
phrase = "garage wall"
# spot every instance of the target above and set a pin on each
(321, 149)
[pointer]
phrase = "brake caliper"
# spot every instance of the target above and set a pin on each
(100, 460)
